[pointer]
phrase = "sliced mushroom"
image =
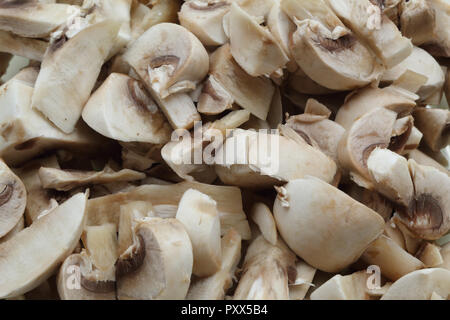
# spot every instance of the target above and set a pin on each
(244, 160)
(204, 19)
(214, 98)
(417, 20)
(394, 233)
(413, 141)
(422, 159)
(252, 94)
(334, 58)
(256, 8)
(13, 199)
(33, 49)
(122, 110)
(64, 180)
(420, 285)
(32, 255)
(69, 282)
(32, 19)
(438, 43)
(427, 216)
(393, 261)
(215, 286)
(362, 101)
(263, 218)
(301, 83)
(17, 228)
(169, 59)
(323, 225)
(412, 242)
(350, 287)
(159, 265)
(229, 203)
(390, 174)
(55, 84)
(135, 161)
(430, 255)
(26, 134)
(266, 272)
(303, 280)
(368, 23)
(198, 213)
(434, 123)
(255, 50)
(424, 64)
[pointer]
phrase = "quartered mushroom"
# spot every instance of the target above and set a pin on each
(154, 267)
(417, 20)
(303, 281)
(214, 98)
(425, 160)
(323, 225)
(263, 218)
(430, 255)
(266, 271)
(13, 199)
(57, 82)
(204, 19)
(434, 123)
(349, 287)
(121, 109)
(33, 254)
(33, 49)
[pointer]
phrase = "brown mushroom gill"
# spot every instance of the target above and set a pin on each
(131, 261)
(164, 60)
(209, 6)
(6, 193)
(343, 43)
(424, 214)
(97, 286)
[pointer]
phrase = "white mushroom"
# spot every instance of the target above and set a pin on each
(323, 225)
(198, 213)
(57, 82)
(263, 218)
(33, 254)
(422, 159)
(158, 265)
(350, 287)
(430, 255)
(434, 123)
(417, 20)
(214, 98)
(122, 110)
(302, 282)
(33, 49)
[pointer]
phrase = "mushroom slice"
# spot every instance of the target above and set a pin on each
(266, 272)
(159, 265)
(122, 110)
(434, 123)
(417, 20)
(390, 174)
(393, 261)
(26, 134)
(421, 62)
(439, 40)
(252, 159)
(427, 216)
(169, 59)
(256, 8)
(55, 83)
(69, 281)
(368, 23)
(302, 282)
(335, 53)
(371, 199)
(229, 203)
(420, 285)
(262, 216)
(350, 287)
(430, 255)
(179, 110)
(17, 228)
(32, 49)
(64, 180)
(214, 98)
(32, 19)
(301, 83)
(324, 132)
(255, 50)
(215, 286)
(373, 130)
(13, 199)
(413, 141)
(422, 159)
(204, 19)
(362, 101)
(252, 94)
(323, 225)
(31, 256)
(198, 213)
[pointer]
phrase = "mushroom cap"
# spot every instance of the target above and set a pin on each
(323, 225)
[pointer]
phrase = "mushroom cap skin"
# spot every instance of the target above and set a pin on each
(439, 42)
(337, 62)
(13, 199)
(32, 255)
(168, 58)
(204, 20)
(323, 225)
(122, 110)
(434, 123)
(417, 20)
(56, 82)
(420, 285)
(423, 159)
(166, 266)
(428, 214)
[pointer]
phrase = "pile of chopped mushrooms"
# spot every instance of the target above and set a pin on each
(96, 204)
